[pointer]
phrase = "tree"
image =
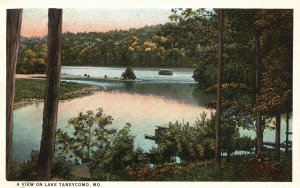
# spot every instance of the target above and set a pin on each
(13, 28)
(287, 134)
(277, 66)
(217, 169)
(112, 163)
(90, 134)
(128, 74)
(32, 56)
(244, 54)
(52, 93)
(106, 151)
(188, 142)
(259, 127)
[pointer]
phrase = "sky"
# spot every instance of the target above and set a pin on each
(34, 21)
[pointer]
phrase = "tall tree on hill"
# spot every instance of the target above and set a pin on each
(52, 93)
(217, 170)
(13, 28)
(259, 126)
(277, 62)
(251, 37)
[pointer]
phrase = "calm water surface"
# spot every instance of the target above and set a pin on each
(156, 100)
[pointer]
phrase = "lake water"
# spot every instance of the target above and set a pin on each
(156, 100)
(180, 75)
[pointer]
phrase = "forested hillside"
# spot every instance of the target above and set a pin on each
(143, 47)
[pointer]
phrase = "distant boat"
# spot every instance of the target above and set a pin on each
(165, 72)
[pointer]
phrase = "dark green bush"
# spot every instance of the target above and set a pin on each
(28, 170)
(128, 74)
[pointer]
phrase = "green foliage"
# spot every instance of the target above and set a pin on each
(32, 57)
(184, 141)
(274, 29)
(195, 33)
(143, 47)
(28, 171)
(90, 133)
(27, 89)
(194, 143)
(277, 62)
(180, 140)
(107, 152)
(205, 74)
(128, 74)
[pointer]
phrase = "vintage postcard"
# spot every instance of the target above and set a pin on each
(102, 94)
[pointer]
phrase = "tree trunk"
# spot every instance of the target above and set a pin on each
(229, 148)
(277, 137)
(259, 129)
(13, 28)
(52, 93)
(228, 155)
(287, 134)
(217, 169)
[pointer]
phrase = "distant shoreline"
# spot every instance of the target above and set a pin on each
(73, 77)
(134, 67)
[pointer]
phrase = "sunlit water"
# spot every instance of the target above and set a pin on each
(157, 100)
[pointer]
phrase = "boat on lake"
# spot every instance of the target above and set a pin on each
(165, 72)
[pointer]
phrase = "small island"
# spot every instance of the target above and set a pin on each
(166, 72)
(128, 74)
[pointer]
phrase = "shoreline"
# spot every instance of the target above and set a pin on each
(75, 94)
(73, 77)
(21, 104)
(80, 93)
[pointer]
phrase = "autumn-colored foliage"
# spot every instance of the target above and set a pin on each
(265, 168)
(247, 168)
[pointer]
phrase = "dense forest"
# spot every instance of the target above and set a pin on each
(143, 47)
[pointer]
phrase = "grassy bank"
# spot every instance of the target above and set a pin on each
(29, 90)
